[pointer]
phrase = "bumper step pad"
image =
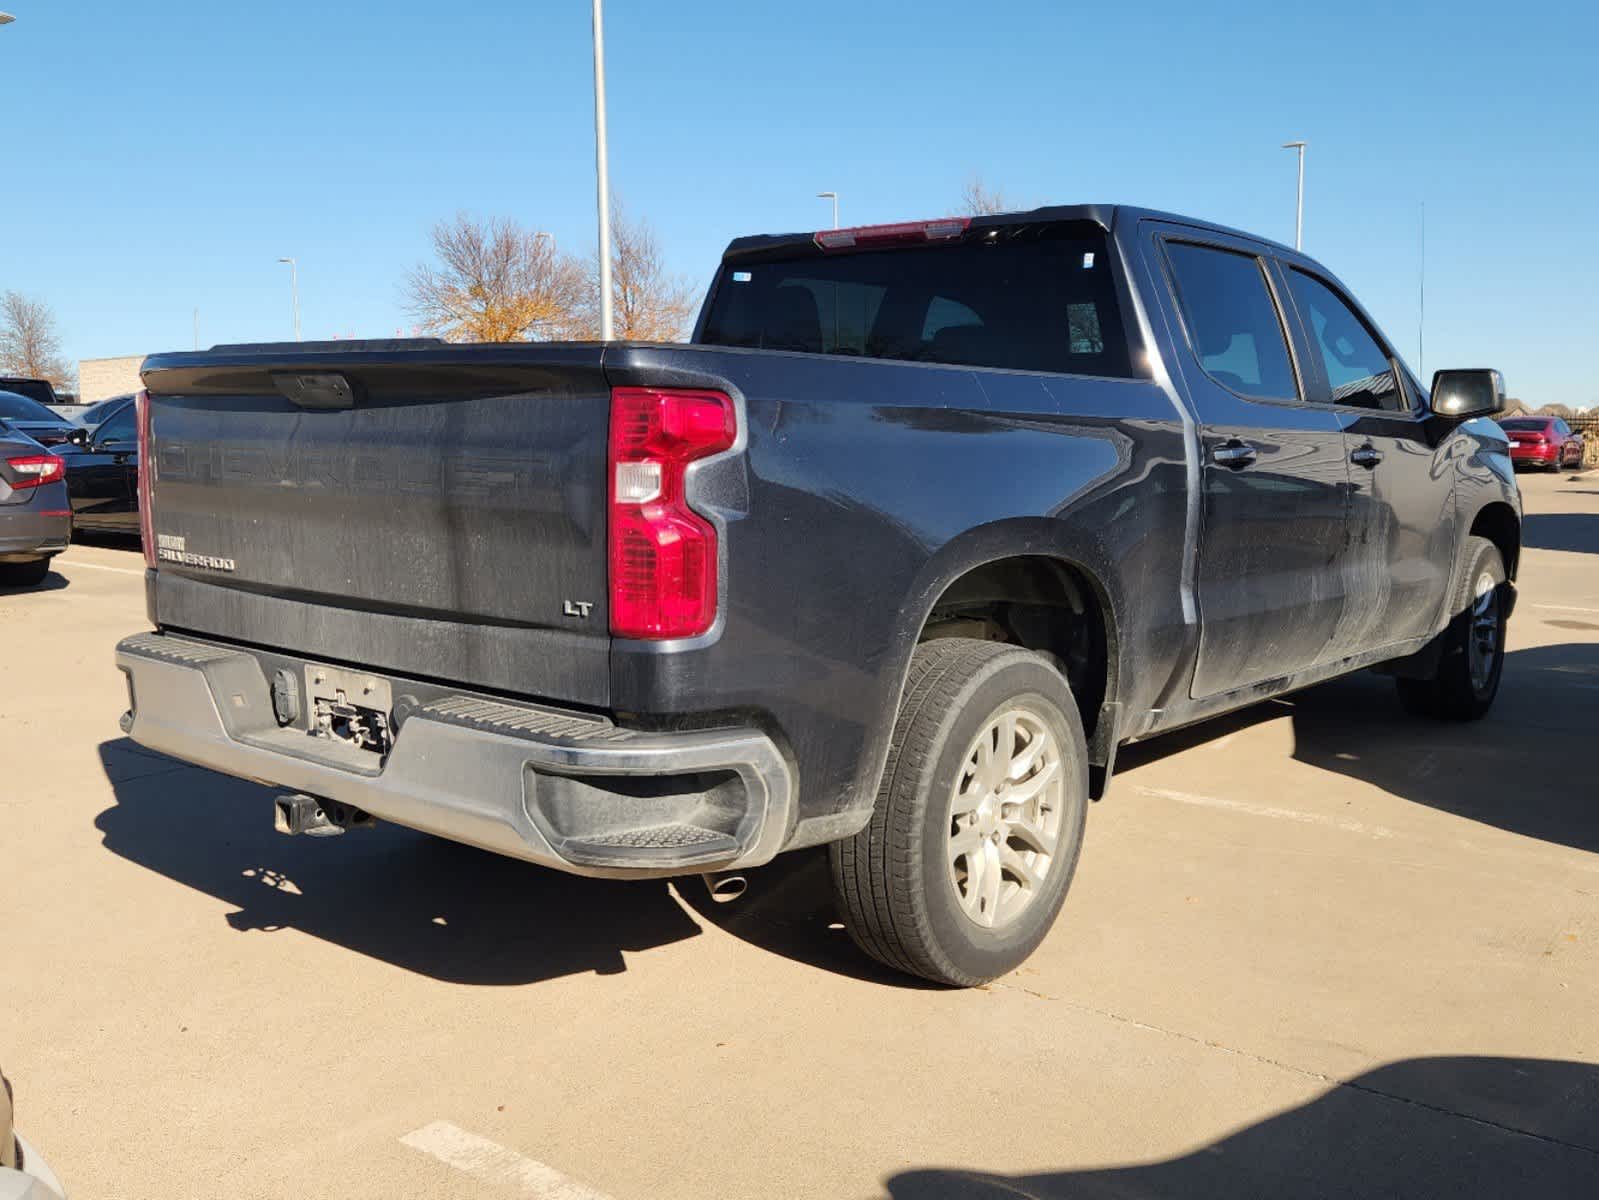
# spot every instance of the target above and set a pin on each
(687, 845)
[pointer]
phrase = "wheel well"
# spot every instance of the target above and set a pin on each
(1497, 522)
(1041, 603)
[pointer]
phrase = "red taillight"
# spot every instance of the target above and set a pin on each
(892, 235)
(141, 407)
(663, 553)
(35, 470)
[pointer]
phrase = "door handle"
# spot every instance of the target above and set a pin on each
(1367, 456)
(1233, 454)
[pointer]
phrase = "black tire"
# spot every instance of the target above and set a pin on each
(26, 574)
(892, 880)
(1452, 694)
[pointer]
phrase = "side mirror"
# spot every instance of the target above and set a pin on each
(79, 436)
(1475, 392)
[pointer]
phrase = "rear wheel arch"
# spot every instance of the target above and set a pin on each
(1046, 602)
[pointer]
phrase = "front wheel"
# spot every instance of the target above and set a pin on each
(1473, 654)
(979, 818)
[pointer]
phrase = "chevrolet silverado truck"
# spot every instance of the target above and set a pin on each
(926, 521)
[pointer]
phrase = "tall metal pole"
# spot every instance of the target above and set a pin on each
(833, 196)
(1299, 206)
(1421, 319)
(602, 172)
(294, 290)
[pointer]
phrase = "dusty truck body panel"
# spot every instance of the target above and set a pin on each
(400, 531)
(1181, 521)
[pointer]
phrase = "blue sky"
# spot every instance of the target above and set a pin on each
(163, 156)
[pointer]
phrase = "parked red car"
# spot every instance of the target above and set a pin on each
(1543, 441)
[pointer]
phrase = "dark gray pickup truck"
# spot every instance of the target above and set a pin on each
(925, 523)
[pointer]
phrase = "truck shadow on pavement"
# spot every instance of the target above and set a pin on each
(1575, 533)
(1522, 768)
(1466, 1126)
(435, 907)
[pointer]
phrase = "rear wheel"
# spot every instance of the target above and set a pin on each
(27, 574)
(979, 819)
(1473, 655)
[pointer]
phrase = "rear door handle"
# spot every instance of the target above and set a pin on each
(1233, 454)
(1365, 456)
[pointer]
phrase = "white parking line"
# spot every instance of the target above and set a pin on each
(490, 1162)
(1266, 810)
(1567, 608)
(75, 563)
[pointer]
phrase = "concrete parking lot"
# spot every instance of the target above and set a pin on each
(1319, 948)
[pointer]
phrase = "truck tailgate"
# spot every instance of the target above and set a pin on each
(428, 509)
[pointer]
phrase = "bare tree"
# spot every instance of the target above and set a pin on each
(978, 200)
(28, 342)
(648, 304)
(496, 281)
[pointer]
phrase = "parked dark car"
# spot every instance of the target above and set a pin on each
(35, 517)
(927, 522)
(1546, 442)
(44, 425)
(98, 412)
(102, 471)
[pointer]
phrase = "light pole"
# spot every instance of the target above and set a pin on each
(833, 196)
(1421, 315)
(1299, 206)
(602, 172)
(294, 290)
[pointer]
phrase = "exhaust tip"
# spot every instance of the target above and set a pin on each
(725, 888)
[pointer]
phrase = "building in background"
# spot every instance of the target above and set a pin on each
(100, 378)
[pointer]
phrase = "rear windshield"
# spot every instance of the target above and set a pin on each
(34, 389)
(19, 408)
(1524, 423)
(1026, 300)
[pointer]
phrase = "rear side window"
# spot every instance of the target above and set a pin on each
(1358, 369)
(1232, 320)
(1013, 298)
(19, 408)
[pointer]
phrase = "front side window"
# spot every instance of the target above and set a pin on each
(1358, 369)
(1232, 320)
